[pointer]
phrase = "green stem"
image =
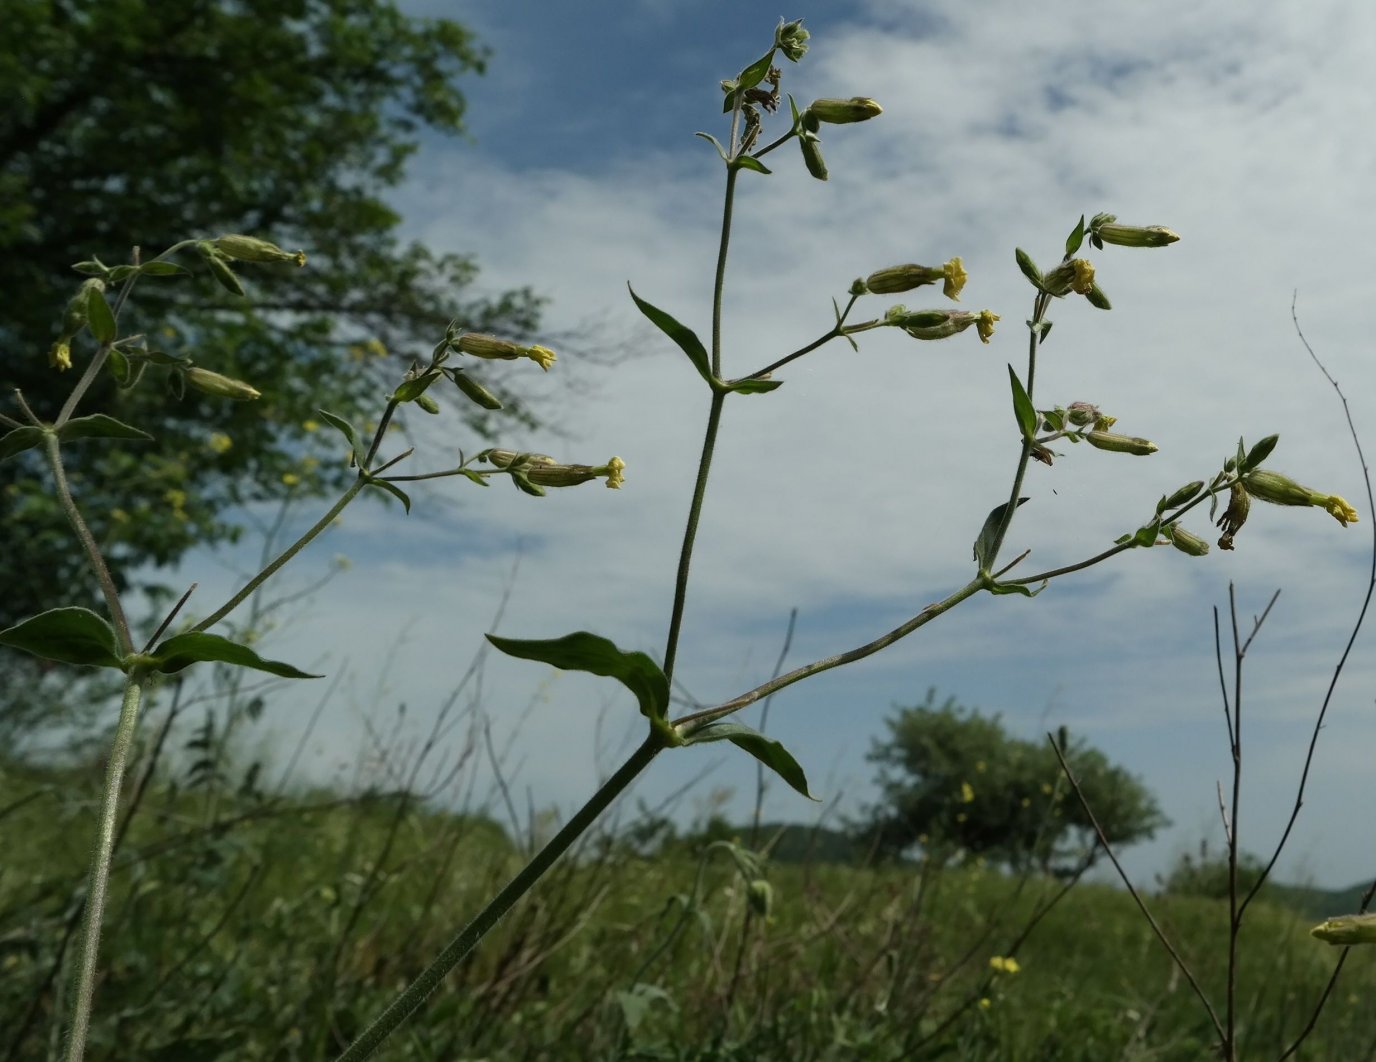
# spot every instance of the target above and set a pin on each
(1033, 341)
(689, 723)
(719, 282)
(89, 946)
(286, 555)
(690, 533)
(419, 989)
(53, 450)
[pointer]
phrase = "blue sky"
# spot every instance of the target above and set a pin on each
(853, 492)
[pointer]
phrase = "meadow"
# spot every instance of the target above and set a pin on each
(254, 927)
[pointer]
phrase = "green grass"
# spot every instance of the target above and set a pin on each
(243, 929)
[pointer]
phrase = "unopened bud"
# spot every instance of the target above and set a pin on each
(78, 308)
(1347, 929)
(228, 279)
(900, 278)
(1186, 541)
(1134, 235)
(427, 403)
(940, 324)
(1095, 297)
(212, 383)
(493, 348)
(760, 895)
(1076, 275)
(476, 392)
(1181, 496)
(844, 112)
(1121, 444)
(1282, 490)
(812, 156)
(1081, 413)
(252, 249)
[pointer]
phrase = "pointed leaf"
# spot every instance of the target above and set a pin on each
(99, 426)
(1259, 453)
(582, 651)
(753, 387)
(163, 269)
(985, 542)
(19, 440)
(715, 143)
(747, 162)
(1073, 241)
(347, 430)
(182, 650)
(683, 336)
(68, 635)
(769, 752)
(99, 317)
(1015, 588)
(393, 490)
(1022, 406)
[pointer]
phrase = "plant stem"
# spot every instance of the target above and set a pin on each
(99, 879)
(419, 989)
(53, 449)
(286, 555)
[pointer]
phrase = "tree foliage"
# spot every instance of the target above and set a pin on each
(955, 780)
(134, 123)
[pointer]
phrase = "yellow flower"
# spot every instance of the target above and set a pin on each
(119, 516)
(955, 274)
(1027, 802)
(310, 425)
(985, 324)
(615, 468)
(219, 442)
(310, 463)
(1001, 964)
(376, 348)
(175, 498)
(984, 1003)
(1340, 510)
(1046, 788)
(967, 793)
(291, 479)
(60, 356)
(542, 356)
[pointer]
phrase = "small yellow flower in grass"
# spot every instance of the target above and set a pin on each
(1004, 964)
(60, 356)
(291, 479)
(1046, 789)
(119, 516)
(310, 425)
(984, 1003)
(376, 348)
(219, 442)
(1027, 802)
(967, 793)
(175, 498)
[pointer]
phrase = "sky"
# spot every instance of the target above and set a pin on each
(853, 492)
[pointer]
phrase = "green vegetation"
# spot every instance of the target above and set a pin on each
(253, 928)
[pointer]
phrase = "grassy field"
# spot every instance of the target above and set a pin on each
(249, 928)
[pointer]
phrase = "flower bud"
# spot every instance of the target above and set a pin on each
(78, 308)
(1185, 541)
(492, 348)
(760, 895)
(1181, 496)
(1076, 275)
(1347, 929)
(1135, 235)
(228, 279)
(1081, 413)
(812, 156)
(541, 470)
(1095, 297)
(896, 279)
(1282, 490)
(475, 391)
(212, 383)
(791, 39)
(1122, 444)
(939, 324)
(252, 249)
(427, 403)
(844, 112)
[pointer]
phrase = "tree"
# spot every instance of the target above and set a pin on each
(953, 779)
(134, 123)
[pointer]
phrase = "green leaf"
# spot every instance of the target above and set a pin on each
(1073, 241)
(19, 440)
(163, 269)
(1054, 418)
(182, 650)
(410, 390)
(1022, 406)
(1029, 268)
(118, 363)
(99, 426)
(769, 752)
(715, 143)
(985, 542)
(683, 336)
(1015, 588)
(347, 430)
(68, 635)
(753, 387)
(99, 317)
(1259, 453)
(470, 474)
(393, 490)
(747, 162)
(120, 274)
(582, 651)
(751, 76)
